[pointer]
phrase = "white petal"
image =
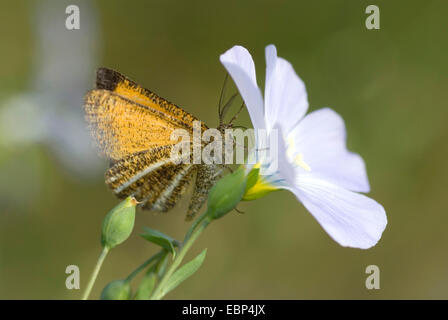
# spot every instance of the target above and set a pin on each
(285, 95)
(351, 219)
(287, 171)
(280, 171)
(240, 66)
(321, 139)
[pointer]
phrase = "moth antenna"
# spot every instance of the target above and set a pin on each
(221, 97)
(240, 127)
(228, 104)
(237, 113)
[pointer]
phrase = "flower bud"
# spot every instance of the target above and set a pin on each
(116, 290)
(226, 193)
(118, 223)
(146, 286)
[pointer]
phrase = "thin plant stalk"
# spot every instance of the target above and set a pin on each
(155, 257)
(95, 272)
(159, 291)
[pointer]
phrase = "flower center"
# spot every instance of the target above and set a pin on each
(257, 186)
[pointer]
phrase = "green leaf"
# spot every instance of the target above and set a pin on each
(146, 285)
(161, 266)
(160, 239)
(184, 272)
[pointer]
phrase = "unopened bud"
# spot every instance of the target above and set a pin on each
(116, 290)
(119, 223)
(226, 193)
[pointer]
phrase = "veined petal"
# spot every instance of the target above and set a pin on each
(285, 95)
(240, 66)
(351, 219)
(321, 138)
(275, 168)
(286, 169)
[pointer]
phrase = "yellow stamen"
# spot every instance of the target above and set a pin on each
(301, 163)
(290, 148)
(298, 160)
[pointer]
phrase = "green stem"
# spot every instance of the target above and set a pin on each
(99, 263)
(195, 224)
(159, 291)
(155, 257)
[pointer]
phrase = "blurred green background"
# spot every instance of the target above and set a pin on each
(390, 85)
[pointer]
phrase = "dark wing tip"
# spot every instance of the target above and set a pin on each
(107, 78)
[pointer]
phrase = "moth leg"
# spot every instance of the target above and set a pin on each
(239, 211)
(206, 177)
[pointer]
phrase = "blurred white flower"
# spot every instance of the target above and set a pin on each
(313, 161)
(50, 112)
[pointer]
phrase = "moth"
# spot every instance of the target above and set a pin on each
(132, 127)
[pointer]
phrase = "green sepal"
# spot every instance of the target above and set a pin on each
(252, 178)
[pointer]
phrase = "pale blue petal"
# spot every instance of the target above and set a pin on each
(321, 139)
(286, 100)
(351, 219)
(240, 66)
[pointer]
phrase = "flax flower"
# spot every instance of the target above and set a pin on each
(313, 161)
